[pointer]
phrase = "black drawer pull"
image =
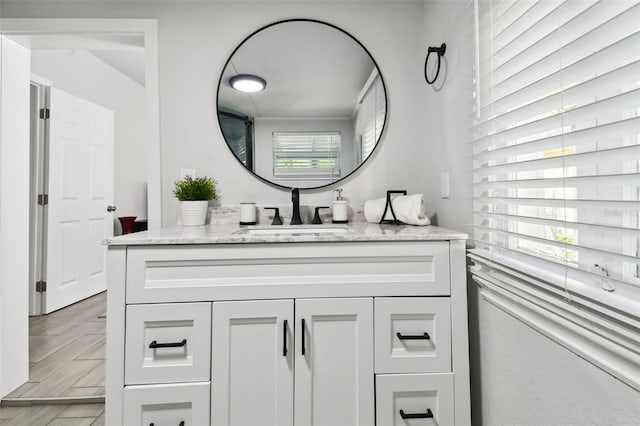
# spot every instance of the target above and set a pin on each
(156, 345)
(426, 415)
(424, 336)
(284, 343)
(304, 349)
(180, 424)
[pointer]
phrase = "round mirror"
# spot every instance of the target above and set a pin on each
(301, 104)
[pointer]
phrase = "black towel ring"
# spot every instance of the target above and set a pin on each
(440, 51)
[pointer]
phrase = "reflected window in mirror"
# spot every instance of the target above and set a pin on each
(238, 131)
(320, 79)
(370, 115)
(306, 156)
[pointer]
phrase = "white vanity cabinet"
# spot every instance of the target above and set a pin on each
(262, 352)
(306, 334)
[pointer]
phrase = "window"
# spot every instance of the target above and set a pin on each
(306, 155)
(556, 142)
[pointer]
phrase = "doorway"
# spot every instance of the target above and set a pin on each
(72, 188)
(38, 170)
(26, 28)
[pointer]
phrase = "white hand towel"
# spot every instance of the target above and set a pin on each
(408, 209)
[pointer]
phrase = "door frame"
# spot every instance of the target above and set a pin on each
(38, 175)
(148, 28)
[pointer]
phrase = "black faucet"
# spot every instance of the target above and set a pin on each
(295, 215)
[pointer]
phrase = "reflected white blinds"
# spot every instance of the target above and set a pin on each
(556, 140)
(306, 155)
(370, 117)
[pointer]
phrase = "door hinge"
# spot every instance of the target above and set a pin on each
(45, 113)
(41, 286)
(43, 199)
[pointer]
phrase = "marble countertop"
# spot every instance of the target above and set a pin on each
(236, 234)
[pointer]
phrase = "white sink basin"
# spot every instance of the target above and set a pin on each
(293, 230)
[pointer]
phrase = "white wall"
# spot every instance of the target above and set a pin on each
(14, 217)
(82, 74)
(196, 38)
(526, 379)
(518, 376)
(194, 43)
(263, 146)
(446, 113)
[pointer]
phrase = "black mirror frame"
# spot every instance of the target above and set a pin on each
(384, 87)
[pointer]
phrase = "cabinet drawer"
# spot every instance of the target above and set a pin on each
(161, 274)
(167, 404)
(168, 343)
(424, 399)
(413, 335)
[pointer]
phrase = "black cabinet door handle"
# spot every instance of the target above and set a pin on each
(181, 423)
(284, 333)
(424, 336)
(303, 337)
(156, 345)
(426, 415)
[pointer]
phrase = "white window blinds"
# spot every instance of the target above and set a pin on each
(556, 140)
(306, 155)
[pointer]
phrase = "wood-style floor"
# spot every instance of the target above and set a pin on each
(53, 415)
(66, 358)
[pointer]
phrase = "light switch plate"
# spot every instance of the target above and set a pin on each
(444, 185)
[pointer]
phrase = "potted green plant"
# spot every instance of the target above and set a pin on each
(194, 195)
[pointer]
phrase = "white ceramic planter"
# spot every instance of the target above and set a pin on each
(194, 213)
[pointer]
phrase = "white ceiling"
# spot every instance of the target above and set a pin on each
(129, 62)
(124, 52)
(311, 69)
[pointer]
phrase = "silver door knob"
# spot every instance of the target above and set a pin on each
(111, 208)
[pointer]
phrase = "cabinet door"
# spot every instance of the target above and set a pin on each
(334, 362)
(252, 363)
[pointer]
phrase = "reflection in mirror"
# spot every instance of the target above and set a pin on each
(321, 113)
(238, 131)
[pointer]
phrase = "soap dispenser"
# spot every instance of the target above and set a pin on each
(339, 208)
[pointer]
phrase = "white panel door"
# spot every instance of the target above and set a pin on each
(252, 363)
(15, 63)
(334, 362)
(80, 188)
